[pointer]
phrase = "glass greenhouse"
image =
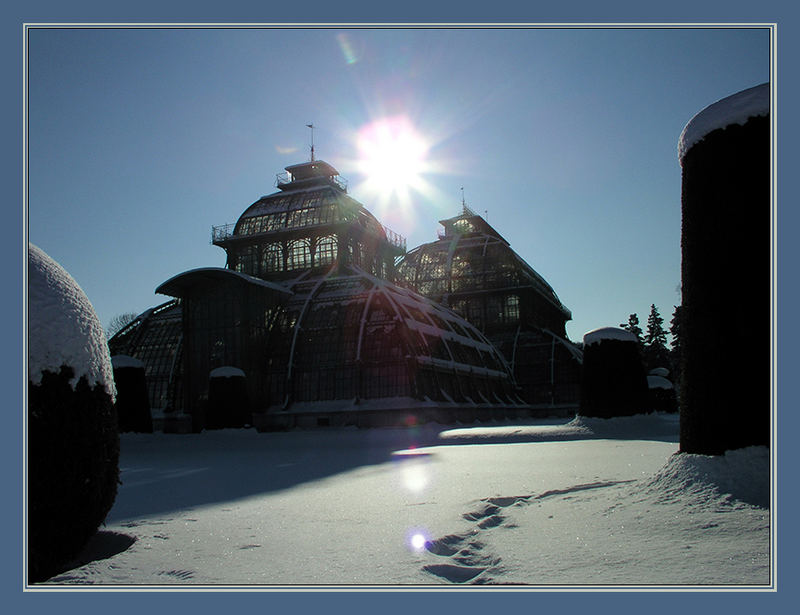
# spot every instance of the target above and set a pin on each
(308, 310)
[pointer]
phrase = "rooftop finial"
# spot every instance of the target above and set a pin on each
(311, 126)
(465, 211)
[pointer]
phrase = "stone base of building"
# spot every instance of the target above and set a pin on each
(393, 412)
(177, 422)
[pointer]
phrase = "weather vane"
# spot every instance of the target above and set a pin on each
(311, 126)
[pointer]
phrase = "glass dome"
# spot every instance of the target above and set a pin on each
(310, 224)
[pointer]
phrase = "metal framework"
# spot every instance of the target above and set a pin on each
(472, 269)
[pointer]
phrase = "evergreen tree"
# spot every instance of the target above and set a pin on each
(633, 326)
(655, 341)
(676, 350)
(656, 335)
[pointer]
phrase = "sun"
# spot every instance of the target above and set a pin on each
(392, 156)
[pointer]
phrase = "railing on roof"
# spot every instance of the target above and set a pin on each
(395, 239)
(285, 178)
(222, 232)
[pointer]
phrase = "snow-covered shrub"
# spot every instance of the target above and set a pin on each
(228, 404)
(73, 442)
(613, 382)
(133, 404)
(661, 392)
(725, 242)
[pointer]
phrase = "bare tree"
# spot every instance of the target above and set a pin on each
(118, 322)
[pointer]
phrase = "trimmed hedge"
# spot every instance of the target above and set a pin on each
(614, 381)
(73, 468)
(228, 403)
(133, 404)
(725, 335)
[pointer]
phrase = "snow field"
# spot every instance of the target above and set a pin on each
(587, 502)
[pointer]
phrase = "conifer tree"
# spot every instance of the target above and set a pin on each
(633, 326)
(676, 350)
(655, 341)
(656, 336)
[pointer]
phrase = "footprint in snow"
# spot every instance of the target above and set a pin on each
(470, 564)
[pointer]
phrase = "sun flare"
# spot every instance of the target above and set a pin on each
(392, 156)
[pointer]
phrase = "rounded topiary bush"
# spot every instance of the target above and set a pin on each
(614, 381)
(661, 391)
(73, 442)
(133, 404)
(228, 404)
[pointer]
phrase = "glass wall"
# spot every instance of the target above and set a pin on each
(156, 341)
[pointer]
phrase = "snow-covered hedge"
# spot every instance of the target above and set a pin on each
(228, 400)
(736, 109)
(133, 402)
(613, 382)
(726, 216)
(73, 442)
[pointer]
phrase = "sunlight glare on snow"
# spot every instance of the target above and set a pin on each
(415, 476)
(412, 466)
(417, 538)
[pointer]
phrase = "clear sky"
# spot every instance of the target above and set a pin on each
(141, 140)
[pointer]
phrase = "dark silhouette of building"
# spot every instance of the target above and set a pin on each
(472, 269)
(308, 310)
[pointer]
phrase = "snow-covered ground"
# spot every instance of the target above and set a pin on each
(551, 502)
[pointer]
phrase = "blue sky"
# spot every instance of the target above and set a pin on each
(141, 140)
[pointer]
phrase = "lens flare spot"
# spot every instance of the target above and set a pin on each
(417, 538)
(347, 48)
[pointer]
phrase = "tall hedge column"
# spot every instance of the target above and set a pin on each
(725, 243)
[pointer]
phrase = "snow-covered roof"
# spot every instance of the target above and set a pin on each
(226, 372)
(659, 371)
(63, 328)
(735, 109)
(175, 286)
(120, 361)
(608, 333)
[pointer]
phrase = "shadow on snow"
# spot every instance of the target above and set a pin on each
(167, 472)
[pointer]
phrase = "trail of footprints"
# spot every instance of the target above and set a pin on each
(467, 562)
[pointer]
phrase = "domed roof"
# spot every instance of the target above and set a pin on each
(311, 195)
(305, 207)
